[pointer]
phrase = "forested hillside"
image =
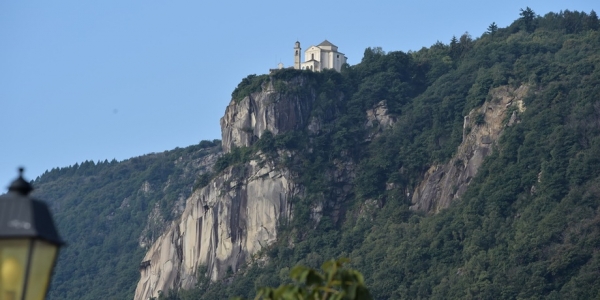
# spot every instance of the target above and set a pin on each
(106, 211)
(526, 227)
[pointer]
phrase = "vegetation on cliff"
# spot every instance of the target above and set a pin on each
(105, 210)
(527, 226)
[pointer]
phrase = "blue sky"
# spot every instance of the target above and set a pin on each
(95, 80)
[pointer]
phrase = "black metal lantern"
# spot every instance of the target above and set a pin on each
(29, 244)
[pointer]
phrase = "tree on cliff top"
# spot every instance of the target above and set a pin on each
(528, 17)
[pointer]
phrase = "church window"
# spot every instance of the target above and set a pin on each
(312, 56)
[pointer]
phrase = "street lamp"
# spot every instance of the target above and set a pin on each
(29, 244)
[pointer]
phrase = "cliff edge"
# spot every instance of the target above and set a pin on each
(237, 213)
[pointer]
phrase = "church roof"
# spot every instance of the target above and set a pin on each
(326, 43)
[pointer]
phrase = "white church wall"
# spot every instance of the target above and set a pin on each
(311, 65)
(325, 61)
(312, 53)
(335, 60)
(338, 60)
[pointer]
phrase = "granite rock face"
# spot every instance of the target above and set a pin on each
(269, 110)
(226, 223)
(222, 226)
(232, 218)
(482, 127)
(378, 120)
(379, 116)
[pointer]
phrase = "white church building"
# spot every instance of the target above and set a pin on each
(317, 58)
(320, 57)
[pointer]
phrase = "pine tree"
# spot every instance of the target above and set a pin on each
(492, 28)
(528, 17)
(592, 21)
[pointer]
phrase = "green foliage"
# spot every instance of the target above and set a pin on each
(528, 19)
(492, 28)
(511, 236)
(203, 180)
(209, 144)
(527, 226)
(334, 282)
(288, 74)
(237, 155)
(480, 119)
(102, 211)
(249, 85)
(592, 22)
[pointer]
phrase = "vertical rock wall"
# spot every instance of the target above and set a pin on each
(237, 213)
(245, 121)
(222, 226)
(481, 129)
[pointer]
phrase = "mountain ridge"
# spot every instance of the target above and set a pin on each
(362, 141)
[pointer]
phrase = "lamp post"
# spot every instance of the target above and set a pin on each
(29, 244)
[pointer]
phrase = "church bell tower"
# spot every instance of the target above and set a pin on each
(297, 53)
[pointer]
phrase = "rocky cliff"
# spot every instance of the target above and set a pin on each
(482, 128)
(269, 110)
(237, 213)
(232, 218)
(222, 226)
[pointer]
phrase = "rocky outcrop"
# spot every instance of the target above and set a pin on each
(156, 223)
(269, 110)
(482, 128)
(222, 226)
(237, 213)
(378, 120)
(379, 116)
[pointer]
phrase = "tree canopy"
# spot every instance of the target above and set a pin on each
(527, 226)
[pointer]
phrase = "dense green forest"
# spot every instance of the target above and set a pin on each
(527, 227)
(102, 210)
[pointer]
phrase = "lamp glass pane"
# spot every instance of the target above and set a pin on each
(13, 265)
(42, 262)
